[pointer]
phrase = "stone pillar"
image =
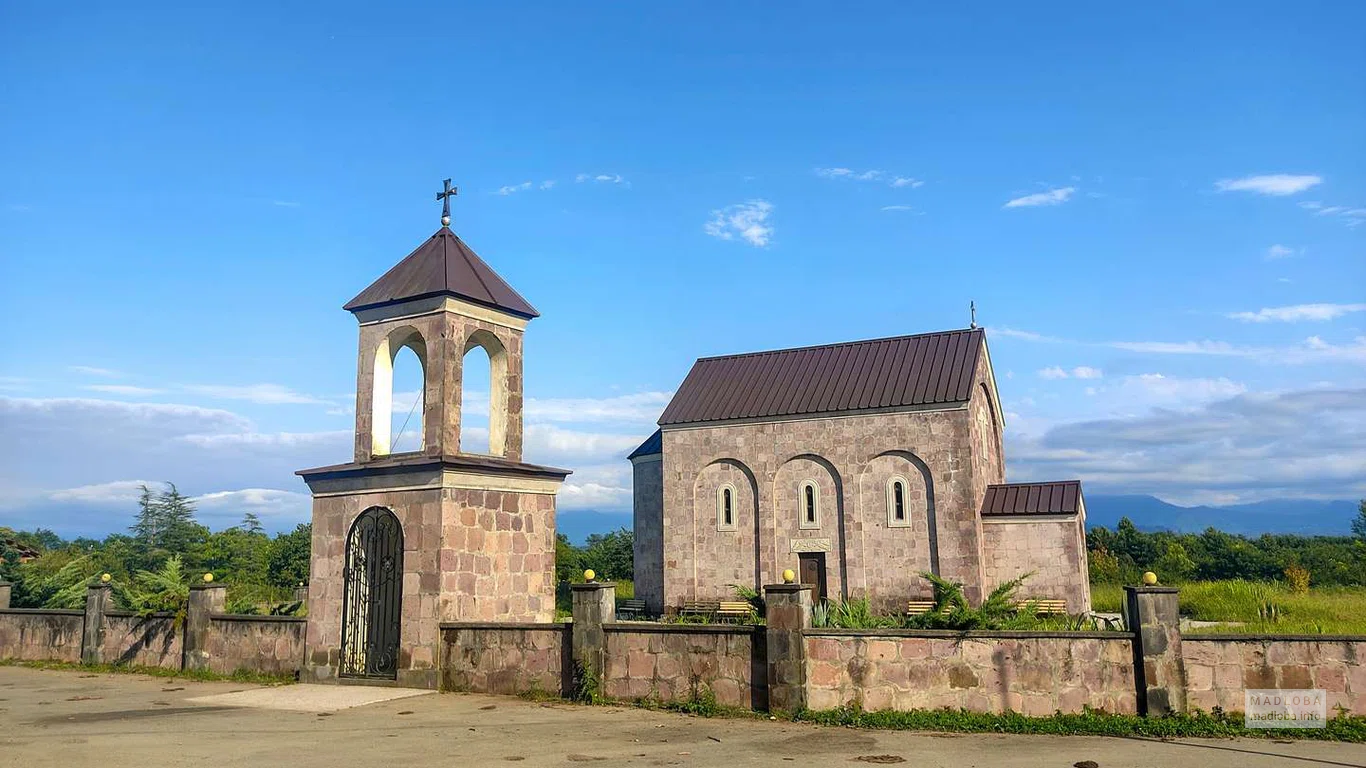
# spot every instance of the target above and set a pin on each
(4, 594)
(594, 604)
(205, 600)
(788, 612)
(1159, 671)
(97, 601)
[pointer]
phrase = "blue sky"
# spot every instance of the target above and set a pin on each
(1158, 211)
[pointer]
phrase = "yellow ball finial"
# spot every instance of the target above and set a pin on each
(589, 575)
(208, 577)
(1149, 578)
(789, 577)
(104, 578)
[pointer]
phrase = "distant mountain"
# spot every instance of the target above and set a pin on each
(1325, 518)
(1149, 513)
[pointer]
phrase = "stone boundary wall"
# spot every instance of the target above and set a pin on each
(1220, 668)
(482, 657)
(31, 634)
(142, 641)
(272, 645)
(1035, 673)
(679, 662)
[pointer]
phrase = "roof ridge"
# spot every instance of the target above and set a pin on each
(465, 253)
(855, 342)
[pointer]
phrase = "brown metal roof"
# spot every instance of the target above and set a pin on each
(402, 462)
(1059, 498)
(924, 369)
(443, 265)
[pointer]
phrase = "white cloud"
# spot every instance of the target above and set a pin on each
(575, 495)
(278, 510)
(1080, 372)
(89, 370)
(892, 180)
(1298, 312)
(265, 394)
(284, 203)
(1278, 184)
(906, 181)
(1353, 216)
(601, 178)
(511, 188)
(1051, 197)
(1281, 252)
(547, 184)
(1313, 350)
(123, 389)
(643, 407)
(897, 208)
(13, 383)
(748, 221)
(1250, 446)
(834, 173)
(117, 491)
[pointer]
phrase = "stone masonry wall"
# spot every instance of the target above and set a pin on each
(1053, 550)
(468, 555)
(419, 513)
(142, 641)
(41, 635)
(271, 645)
(1219, 669)
(863, 555)
(505, 658)
(1032, 673)
(677, 663)
(648, 524)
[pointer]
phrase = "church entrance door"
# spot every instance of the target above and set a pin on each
(812, 568)
(374, 596)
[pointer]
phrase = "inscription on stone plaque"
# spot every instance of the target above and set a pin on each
(810, 545)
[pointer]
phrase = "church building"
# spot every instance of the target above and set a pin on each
(857, 465)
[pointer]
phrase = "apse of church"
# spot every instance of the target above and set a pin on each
(403, 541)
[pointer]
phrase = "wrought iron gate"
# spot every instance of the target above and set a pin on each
(374, 596)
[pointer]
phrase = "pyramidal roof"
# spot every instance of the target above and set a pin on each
(443, 265)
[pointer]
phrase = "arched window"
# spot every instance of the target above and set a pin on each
(809, 504)
(484, 395)
(725, 508)
(407, 415)
(396, 421)
(897, 516)
(476, 376)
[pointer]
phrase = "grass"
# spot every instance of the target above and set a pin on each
(1259, 607)
(201, 675)
(1090, 723)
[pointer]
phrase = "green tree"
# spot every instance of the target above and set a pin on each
(1359, 522)
(611, 555)
(288, 557)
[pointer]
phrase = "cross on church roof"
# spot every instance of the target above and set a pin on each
(445, 198)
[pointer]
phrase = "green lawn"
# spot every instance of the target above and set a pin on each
(1262, 608)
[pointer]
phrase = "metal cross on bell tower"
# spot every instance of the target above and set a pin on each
(445, 198)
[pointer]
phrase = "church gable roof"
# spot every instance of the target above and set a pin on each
(923, 369)
(443, 265)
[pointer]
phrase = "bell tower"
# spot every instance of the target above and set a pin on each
(403, 541)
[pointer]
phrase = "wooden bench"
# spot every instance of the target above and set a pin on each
(919, 607)
(1043, 606)
(630, 609)
(721, 609)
